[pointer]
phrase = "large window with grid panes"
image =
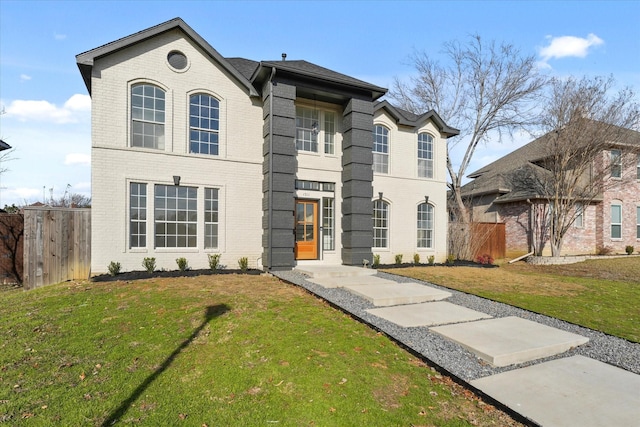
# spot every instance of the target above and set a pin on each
(380, 149)
(147, 116)
(425, 155)
(315, 130)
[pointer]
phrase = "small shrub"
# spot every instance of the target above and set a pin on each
(628, 249)
(182, 263)
(604, 250)
(416, 259)
(243, 263)
(376, 260)
(485, 259)
(398, 259)
(214, 261)
(431, 260)
(114, 268)
(450, 259)
(149, 264)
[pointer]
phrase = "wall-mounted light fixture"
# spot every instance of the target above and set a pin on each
(380, 195)
(426, 199)
(176, 180)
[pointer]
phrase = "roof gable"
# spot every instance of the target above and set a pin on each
(86, 60)
(407, 118)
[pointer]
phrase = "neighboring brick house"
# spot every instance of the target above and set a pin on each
(611, 219)
(194, 153)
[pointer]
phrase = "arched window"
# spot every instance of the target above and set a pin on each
(380, 149)
(204, 124)
(425, 226)
(425, 155)
(147, 116)
(380, 224)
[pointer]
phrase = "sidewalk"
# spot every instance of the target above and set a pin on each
(549, 372)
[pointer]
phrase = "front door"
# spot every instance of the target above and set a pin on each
(306, 229)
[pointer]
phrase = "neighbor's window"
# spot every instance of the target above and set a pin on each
(211, 218)
(307, 129)
(380, 224)
(638, 169)
(137, 215)
(616, 163)
(425, 225)
(638, 222)
(176, 216)
(204, 124)
(616, 221)
(579, 221)
(328, 224)
(380, 149)
(147, 116)
(425, 155)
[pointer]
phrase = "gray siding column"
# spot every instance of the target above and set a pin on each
(279, 164)
(357, 178)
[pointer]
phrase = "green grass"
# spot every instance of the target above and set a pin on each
(210, 350)
(600, 294)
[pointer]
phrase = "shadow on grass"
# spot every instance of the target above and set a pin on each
(211, 312)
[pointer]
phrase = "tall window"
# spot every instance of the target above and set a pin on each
(137, 215)
(616, 221)
(176, 216)
(638, 169)
(380, 224)
(329, 132)
(579, 221)
(147, 116)
(638, 222)
(204, 124)
(210, 218)
(425, 226)
(380, 149)
(328, 224)
(307, 129)
(616, 163)
(425, 155)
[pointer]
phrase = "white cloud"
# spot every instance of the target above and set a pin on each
(24, 77)
(569, 46)
(77, 159)
(58, 36)
(73, 110)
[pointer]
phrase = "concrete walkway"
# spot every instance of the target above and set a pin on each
(568, 391)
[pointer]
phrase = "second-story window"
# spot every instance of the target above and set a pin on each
(425, 155)
(616, 163)
(307, 129)
(380, 149)
(204, 124)
(147, 116)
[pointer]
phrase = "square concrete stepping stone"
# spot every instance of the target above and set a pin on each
(510, 340)
(573, 391)
(427, 314)
(393, 293)
(341, 282)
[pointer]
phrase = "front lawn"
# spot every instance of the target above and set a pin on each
(599, 294)
(210, 351)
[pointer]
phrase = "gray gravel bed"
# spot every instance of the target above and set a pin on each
(454, 358)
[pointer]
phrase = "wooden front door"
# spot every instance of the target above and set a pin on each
(306, 229)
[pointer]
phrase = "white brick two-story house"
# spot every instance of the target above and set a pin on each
(283, 162)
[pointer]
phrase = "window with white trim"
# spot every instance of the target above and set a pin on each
(137, 215)
(328, 224)
(380, 224)
(425, 226)
(307, 129)
(329, 132)
(380, 149)
(638, 169)
(579, 219)
(147, 116)
(638, 222)
(616, 221)
(176, 216)
(616, 163)
(425, 155)
(204, 124)
(211, 219)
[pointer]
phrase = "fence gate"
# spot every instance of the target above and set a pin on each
(489, 238)
(57, 245)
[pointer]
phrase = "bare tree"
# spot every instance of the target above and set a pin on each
(11, 236)
(585, 126)
(485, 90)
(71, 200)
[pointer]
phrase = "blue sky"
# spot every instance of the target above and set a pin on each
(47, 109)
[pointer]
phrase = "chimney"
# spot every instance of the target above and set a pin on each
(284, 56)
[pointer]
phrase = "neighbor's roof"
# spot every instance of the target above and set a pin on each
(4, 145)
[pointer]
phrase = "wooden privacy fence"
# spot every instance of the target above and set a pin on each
(57, 245)
(489, 238)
